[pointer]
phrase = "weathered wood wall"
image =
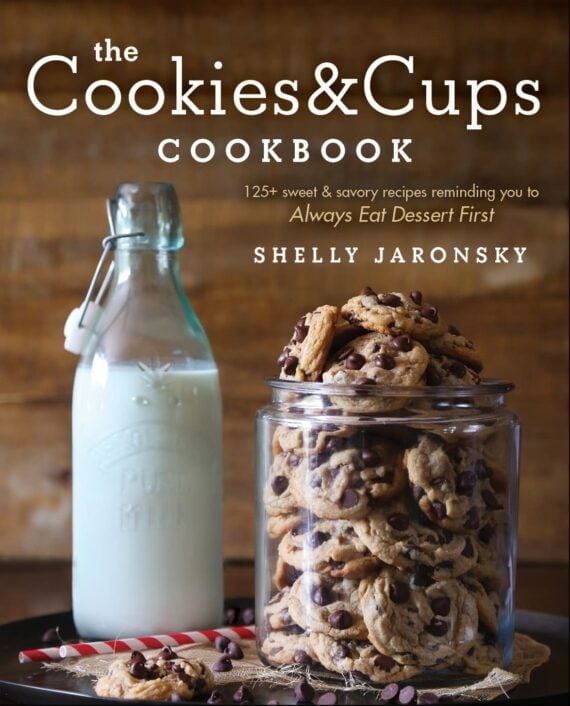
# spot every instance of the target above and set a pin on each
(56, 172)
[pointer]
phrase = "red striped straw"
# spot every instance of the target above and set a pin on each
(147, 642)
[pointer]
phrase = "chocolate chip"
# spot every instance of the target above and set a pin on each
(301, 657)
(290, 365)
(399, 521)
(231, 615)
(243, 695)
(233, 651)
(468, 550)
(482, 470)
(322, 595)
(137, 656)
(370, 458)
(407, 695)
(327, 699)
(343, 652)
(52, 637)
(418, 492)
(216, 697)
(398, 592)
(465, 483)
(293, 630)
(224, 664)
(454, 330)
(340, 620)
(386, 362)
(138, 670)
(388, 477)
(367, 292)
(344, 353)
(490, 500)
(294, 460)
(447, 536)
(422, 575)
(458, 369)
(438, 509)
(441, 605)
(317, 538)
(402, 343)
(416, 297)
(428, 697)
(167, 653)
(248, 616)
(304, 691)
(433, 376)
(430, 312)
(365, 381)
(279, 485)
(355, 361)
(334, 444)
(390, 300)
(486, 533)
(390, 692)
(472, 521)
(349, 498)
(283, 356)
(301, 331)
(384, 663)
(437, 627)
(445, 564)
(315, 460)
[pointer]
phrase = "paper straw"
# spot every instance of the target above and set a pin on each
(147, 642)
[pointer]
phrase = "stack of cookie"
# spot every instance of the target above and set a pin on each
(385, 536)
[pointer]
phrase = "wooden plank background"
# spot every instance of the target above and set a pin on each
(56, 173)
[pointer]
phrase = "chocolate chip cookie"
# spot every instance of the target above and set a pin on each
(391, 533)
(155, 679)
(458, 347)
(394, 313)
(341, 485)
(358, 658)
(450, 484)
(419, 626)
(277, 495)
(327, 547)
(332, 606)
(442, 370)
(284, 648)
(304, 357)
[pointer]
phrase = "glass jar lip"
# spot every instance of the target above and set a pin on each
(488, 386)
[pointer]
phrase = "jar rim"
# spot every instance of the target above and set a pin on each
(488, 386)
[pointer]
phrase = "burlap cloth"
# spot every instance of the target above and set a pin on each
(527, 655)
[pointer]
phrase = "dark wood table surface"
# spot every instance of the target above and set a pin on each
(29, 589)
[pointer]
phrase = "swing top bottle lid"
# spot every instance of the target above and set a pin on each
(148, 207)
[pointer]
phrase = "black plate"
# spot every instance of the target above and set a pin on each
(29, 684)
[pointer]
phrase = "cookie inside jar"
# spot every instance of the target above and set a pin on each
(387, 487)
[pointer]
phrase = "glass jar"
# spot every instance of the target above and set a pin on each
(387, 529)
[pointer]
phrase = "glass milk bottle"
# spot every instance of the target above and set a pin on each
(147, 444)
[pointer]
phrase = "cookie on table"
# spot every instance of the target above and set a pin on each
(327, 547)
(442, 370)
(332, 606)
(391, 533)
(450, 486)
(453, 344)
(277, 495)
(394, 313)
(341, 485)
(427, 627)
(304, 357)
(358, 658)
(155, 679)
(283, 648)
